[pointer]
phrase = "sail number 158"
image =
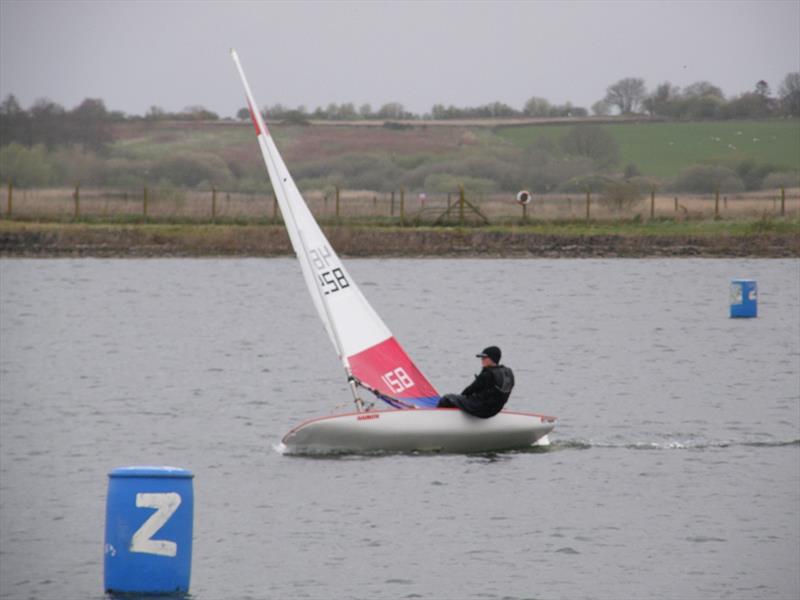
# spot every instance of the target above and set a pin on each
(331, 280)
(397, 380)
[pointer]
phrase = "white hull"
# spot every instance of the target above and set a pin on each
(418, 430)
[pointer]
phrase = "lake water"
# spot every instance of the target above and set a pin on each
(674, 470)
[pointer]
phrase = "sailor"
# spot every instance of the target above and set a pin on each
(486, 396)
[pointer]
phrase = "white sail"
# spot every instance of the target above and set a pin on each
(363, 341)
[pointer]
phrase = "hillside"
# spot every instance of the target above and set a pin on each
(434, 157)
(664, 149)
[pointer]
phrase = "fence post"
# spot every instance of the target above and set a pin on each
(337, 202)
(402, 205)
(10, 204)
(213, 202)
(460, 205)
(676, 204)
(76, 195)
(716, 204)
(653, 203)
(391, 205)
(524, 213)
(145, 201)
(588, 203)
(783, 201)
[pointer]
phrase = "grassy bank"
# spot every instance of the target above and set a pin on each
(765, 238)
(665, 149)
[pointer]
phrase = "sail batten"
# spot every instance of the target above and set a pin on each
(365, 344)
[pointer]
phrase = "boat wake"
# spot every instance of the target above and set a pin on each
(579, 444)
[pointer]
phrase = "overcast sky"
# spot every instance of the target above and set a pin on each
(174, 54)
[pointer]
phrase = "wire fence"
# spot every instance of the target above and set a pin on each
(399, 207)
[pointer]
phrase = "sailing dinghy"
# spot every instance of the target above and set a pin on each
(372, 358)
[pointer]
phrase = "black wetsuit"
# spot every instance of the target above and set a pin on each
(486, 396)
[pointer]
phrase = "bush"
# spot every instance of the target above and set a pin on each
(620, 195)
(707, 179)
(579, 184)
(592, 141)
(631, 171)
(553, 174)
(192, 169)
(72, 165)
(354, 171)
(505, 168)
(25, 166)
(443, 182)
(783, 179)
(752, 174)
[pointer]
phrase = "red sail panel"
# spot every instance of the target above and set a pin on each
(387, 368)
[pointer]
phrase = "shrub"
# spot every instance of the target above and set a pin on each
(72, 165)
(192, 169)
(25, 166)
(631, 171)
(752, 174)
(581, 183)
(707, 179)
(783, 179)
(444, 182)
(620, 195)
(592, 142)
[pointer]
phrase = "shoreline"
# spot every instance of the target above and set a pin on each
(41, 239)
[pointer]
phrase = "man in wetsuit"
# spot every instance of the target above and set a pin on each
(486, 396)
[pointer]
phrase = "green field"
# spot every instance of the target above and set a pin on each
(664, 149)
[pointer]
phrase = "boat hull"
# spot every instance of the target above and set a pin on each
(419, 430)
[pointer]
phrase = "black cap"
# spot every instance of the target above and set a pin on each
(492, 352)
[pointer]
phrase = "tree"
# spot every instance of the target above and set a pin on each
(661, 102)
(391, 110)
(14, 122)
(536, 107)
(365, 110)
(347, 111)
(198, 113)
(762, 89)
(90, 124)
(789, 93)
(626, 94)
(601, 108)
(243, 114)
(48, 125)
(703, 89)
(592, 141)
(749, 105)
(155, 113)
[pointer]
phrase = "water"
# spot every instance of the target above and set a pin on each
(674, 470)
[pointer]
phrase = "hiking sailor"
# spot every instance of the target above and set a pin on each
(486, 396)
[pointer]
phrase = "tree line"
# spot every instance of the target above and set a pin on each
(701, 100)
(90, 123)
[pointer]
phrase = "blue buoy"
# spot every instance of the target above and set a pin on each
(148, 547)
(744, 298)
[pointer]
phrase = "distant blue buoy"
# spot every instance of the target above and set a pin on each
(148, 547)
(744, 298)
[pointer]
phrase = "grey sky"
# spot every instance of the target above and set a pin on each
(174, 54)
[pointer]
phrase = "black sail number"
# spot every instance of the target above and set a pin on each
(333, 281)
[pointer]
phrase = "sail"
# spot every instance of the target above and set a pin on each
(368, 350)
